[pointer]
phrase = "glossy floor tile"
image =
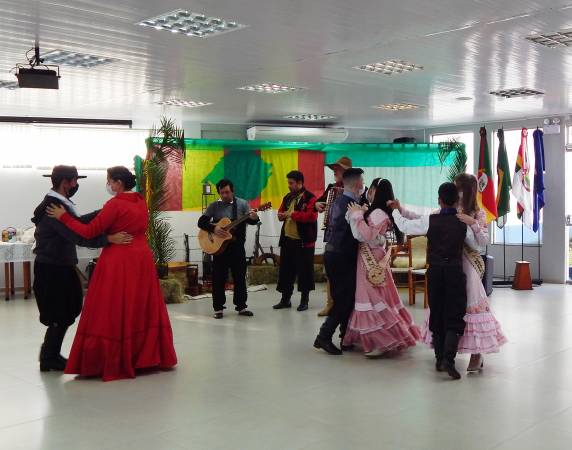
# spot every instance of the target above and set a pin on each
(257, 383)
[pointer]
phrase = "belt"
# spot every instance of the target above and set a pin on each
(445, 261)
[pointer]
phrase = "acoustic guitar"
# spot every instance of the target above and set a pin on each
(215, 245)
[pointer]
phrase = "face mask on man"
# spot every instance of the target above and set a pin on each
(73, 190)
(110, 191)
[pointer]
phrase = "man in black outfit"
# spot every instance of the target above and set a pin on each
(57, 287)
(340, 260)
(234, 255)
(446, 236)
(297, 241)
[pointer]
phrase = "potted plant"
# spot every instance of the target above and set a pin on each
(165, 144)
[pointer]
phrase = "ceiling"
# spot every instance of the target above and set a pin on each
(467, 47)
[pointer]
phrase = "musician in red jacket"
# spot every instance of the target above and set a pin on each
(297, 242)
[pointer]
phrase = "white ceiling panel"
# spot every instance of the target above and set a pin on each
(467, 48)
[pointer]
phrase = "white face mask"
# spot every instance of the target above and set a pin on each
(110, 191)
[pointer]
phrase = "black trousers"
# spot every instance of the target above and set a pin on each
(341, 273)
(233, 258)
(447, 299)
(58, 292)
(296, 261)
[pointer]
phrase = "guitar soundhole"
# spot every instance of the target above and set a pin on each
(211, 238)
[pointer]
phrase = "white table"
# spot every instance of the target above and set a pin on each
(16, 252)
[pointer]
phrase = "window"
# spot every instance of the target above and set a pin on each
(41, 146)
(466, 138)
(513, 230)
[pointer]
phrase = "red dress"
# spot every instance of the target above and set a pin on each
(124, 324)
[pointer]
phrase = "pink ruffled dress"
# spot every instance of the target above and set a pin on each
(483, 333)
(379, 320)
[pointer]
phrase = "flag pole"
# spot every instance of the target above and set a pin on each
(522, 241)
(504, 253)
(504, 282)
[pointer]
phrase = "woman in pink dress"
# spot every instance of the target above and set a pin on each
(379, 323)
(483, 333)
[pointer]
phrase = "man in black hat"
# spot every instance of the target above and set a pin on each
(57, 287)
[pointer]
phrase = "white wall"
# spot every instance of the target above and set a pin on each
(554, 250)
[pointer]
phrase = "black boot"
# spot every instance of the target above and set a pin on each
(449, 353)
(50, 358)
(327, 345)
(304, 301)
(284, 303)
(438, 343)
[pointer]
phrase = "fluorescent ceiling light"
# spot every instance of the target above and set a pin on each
(73, 59)
(5, 84)
(551, 40)
(398, 107)
(390, 67)
(191, 24)
(184, 103)
(518, 92)
(464, 99)
(270, 88)
(508, 19)
(310, 117)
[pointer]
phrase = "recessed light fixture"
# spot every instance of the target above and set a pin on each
(310, 117)
(464, 98)
(73, 59)
(191, 24)
(11, 85)
(398, 107)
(184, 103)
(518, 92)
(551, 40)
(270, 88)
(390, 67)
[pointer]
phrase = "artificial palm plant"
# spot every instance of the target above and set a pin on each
(455, 150)
(165, 145)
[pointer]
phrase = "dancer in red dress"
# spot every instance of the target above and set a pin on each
(124, 325)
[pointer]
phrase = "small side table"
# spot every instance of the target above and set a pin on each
(12, 253)
(9, 285)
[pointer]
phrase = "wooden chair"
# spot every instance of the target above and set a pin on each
(419, 267)
(402, 264)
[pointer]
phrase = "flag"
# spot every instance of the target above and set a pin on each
(258, 170)
(486, 190)
(503, 182)
(521, 182)
(538, 188)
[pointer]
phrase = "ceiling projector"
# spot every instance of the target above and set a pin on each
(31, 76)
(38, 78)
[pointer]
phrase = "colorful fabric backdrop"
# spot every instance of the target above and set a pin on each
(258, 169)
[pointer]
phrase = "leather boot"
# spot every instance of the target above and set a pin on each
(304, 300)
(449, 353)
(283, 303)
(327, 345)
(50, 358)
(438, 343)
(329, 302)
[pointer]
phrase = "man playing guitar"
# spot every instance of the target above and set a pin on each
(234, 255)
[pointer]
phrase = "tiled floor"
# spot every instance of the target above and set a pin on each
(257, 384)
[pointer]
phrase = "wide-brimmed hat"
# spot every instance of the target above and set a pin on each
(344, 162)
(66, 172)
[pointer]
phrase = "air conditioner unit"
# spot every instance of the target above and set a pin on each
(296, 134)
